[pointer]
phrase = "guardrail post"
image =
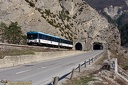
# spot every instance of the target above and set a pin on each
(92, 60)
(72, 73)
(89, 61)
(85, 64)
(79, 67)
(55, 81)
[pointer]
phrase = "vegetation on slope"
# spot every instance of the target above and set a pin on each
(121, 21)
(124, 34)
(80, 81)
(12, 34)
(52, 19)
(14, 52)
(121, 57)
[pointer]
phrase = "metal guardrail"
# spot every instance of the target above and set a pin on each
(85, 64)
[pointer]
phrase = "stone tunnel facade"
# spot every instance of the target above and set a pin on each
(82, 45)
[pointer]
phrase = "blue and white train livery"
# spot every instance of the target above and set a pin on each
(40, 38)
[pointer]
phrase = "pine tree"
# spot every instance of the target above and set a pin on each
(13, 33)
(124, 34)
(2, 33)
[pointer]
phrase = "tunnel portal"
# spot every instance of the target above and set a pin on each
(78, 46)
(97, 46)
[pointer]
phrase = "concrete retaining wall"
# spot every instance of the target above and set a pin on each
(39, 56)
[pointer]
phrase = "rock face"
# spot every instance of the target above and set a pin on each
(71, 19)
(114, 8)
(113, 11)
(116, 12)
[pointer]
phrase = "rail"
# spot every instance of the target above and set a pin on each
(17, 45)
(2, 45)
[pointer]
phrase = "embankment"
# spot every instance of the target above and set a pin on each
(8, 61)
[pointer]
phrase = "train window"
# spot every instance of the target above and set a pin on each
(69, 42)
(32, 36)
(51, 38)
(46, 37)
(65, 41)
(59, 40)
(40, 36)
(56, 39)
(62, 41)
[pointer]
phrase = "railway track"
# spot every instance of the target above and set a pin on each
(5, 45)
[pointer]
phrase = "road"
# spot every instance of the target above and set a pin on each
(42, 72)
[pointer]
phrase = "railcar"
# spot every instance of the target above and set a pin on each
(40, 38)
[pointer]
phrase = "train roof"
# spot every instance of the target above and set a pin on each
(33, 32)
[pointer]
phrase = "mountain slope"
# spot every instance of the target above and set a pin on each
(116, 11)
(70, 19)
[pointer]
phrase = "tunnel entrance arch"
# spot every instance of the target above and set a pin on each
(78, 46)
(97, 46)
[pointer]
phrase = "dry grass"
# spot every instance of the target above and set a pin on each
(83, 78)
(100, 61)
(122, 59)
(13, 52)
(25, 51)
(79, 81)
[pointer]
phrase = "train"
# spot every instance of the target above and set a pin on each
(43, 39)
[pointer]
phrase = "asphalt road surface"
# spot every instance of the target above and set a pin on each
(41, 73)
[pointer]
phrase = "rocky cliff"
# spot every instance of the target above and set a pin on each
(116, 11)
(114, 8)
(71, 19)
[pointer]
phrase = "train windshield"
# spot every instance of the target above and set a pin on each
(32, 36)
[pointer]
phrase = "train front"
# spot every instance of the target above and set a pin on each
(32, 38)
